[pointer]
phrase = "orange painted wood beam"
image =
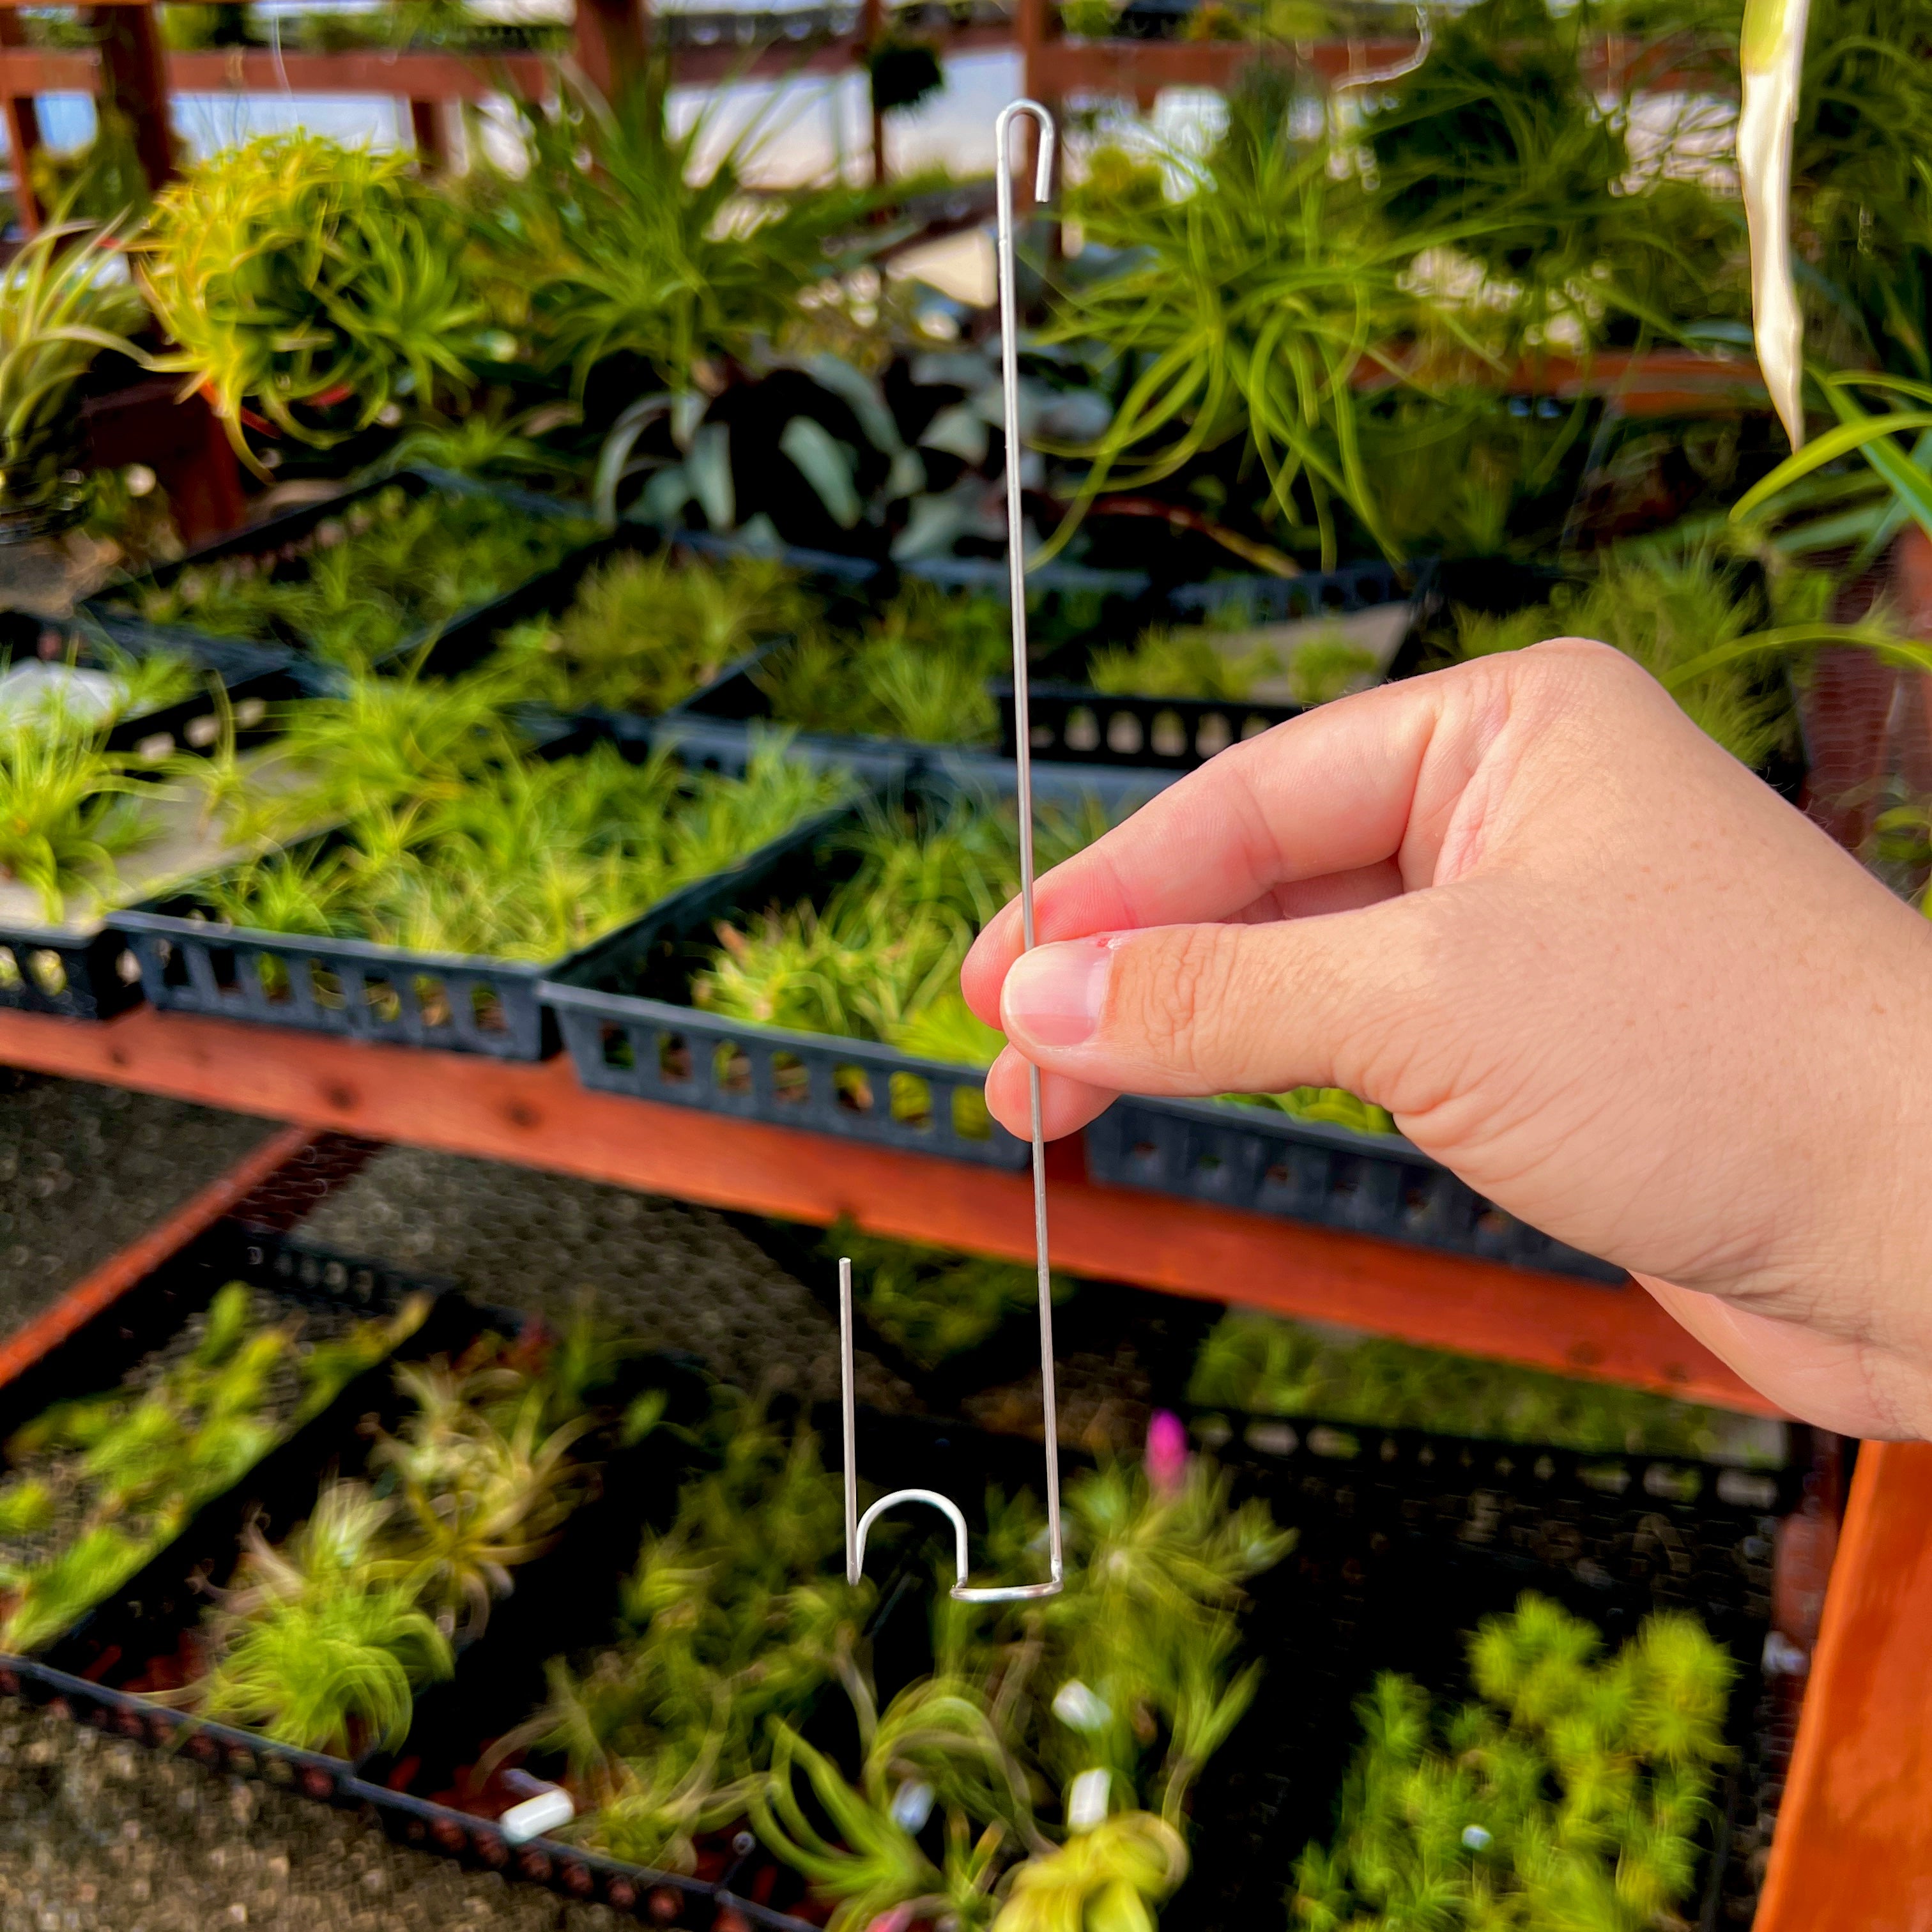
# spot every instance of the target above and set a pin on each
(119, 1273)
(1853, 1847)
(537, 1116)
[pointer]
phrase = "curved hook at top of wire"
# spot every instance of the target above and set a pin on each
(1382, 77)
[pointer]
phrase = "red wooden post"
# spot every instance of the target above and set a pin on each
(23, 124)
(613, 40)
(134, 79)
(429, 130)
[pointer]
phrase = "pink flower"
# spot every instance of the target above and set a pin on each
(897, 1920)
(1166, 1453)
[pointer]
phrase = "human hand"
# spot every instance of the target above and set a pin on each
(1588, 961)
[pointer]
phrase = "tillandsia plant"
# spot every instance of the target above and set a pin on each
(1572, 1792)
(1105, 1703)
(300, 277)
(322, 1641)
(643, 633)
(64, 297)
(930, 1302)
(527, 859)
(736, 1616)
(880, 958)
(1264, 1366)
(391, 568)
(626, 239)
(103, 1482)
(917, 670)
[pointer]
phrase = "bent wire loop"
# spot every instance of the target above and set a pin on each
(855, 1525)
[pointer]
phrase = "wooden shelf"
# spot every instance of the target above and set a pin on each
(537, 1116)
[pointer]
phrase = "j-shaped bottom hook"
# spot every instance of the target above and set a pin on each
(857, 1526)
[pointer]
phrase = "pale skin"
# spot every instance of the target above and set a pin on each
(1588, 961)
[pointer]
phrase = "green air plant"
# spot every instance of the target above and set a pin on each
(734, 1620)
(103, 1482)
(930, 1303)
(1571, 1792)
(64, 297)
(392, 567)
(526, 860)
(918, 671)
(643, 634)
(299, 276)
(69, 807)
(322, 1641)
(1110, 1698)
(1183, 663)
(1262, 1365)
(1688, 621)
(626, 239)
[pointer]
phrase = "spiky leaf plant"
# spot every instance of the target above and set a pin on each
(64, 298)
(296, 275)
(627, 238)
(323, 1640)
(1572, 1793)
(1261, 1364)
(1109, 1698)
(644, 633)
(918, 671)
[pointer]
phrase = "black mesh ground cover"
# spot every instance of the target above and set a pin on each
(85, 1169)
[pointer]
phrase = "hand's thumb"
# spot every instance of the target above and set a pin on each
(1215, 1009)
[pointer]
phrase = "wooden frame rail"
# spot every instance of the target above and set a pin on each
(537, 1116)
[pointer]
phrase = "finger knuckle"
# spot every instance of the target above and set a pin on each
(1182, 1008)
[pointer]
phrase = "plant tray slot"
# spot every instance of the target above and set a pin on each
(48, 971)
(1265, 1162)
(458, 640)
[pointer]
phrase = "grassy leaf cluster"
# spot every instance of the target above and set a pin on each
(1667, 614)
(1039, 1778)
(721, 1697)
(322, 1641)
(932, 1304)
(735, 1616)
(390, 567)
(1267, 1366)
(643, 633)
(918, 671)
(653, 252)
(62, 302)
(452, 843)
(880, 958)
(102, 1482)
(298, 275)
(1571, 1793)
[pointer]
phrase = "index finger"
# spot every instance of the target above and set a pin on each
(1333, 792)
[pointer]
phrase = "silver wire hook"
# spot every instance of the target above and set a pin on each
(856, 1525)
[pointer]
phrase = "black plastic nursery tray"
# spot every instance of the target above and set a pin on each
(1073, 720)
(1405, 1539)
(148, 1322)
(565, 1599)
(1265, 1162)
(281, 543)
(624, 1006)
(354, 988)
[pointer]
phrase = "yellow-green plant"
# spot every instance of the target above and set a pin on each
(64, 298)
(1571, 1794)
(296, 275)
